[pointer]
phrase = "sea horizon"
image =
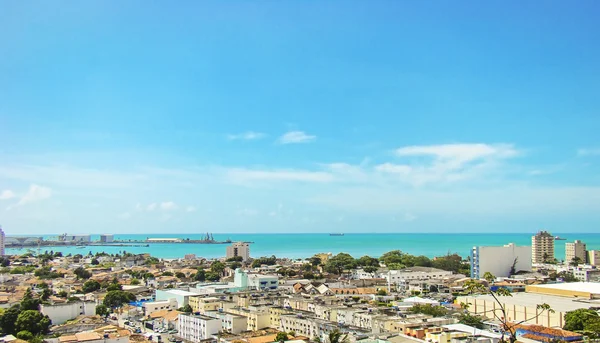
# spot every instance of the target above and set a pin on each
(307, 244)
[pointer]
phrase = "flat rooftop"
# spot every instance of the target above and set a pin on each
(589, 287)
(558, 304)
(179, 292)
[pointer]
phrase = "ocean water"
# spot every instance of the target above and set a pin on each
(306, 245)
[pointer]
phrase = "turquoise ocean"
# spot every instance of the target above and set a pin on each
(308, 244)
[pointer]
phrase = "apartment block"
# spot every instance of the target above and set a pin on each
(195, 328)
(238, 249)
(403, 277)
(593, 257)
(575, 249)
(499, 260)
(542, 247)
(231, 323)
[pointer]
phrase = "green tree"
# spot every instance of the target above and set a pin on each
(24, 335)
(8, 319)
(281, 337)
(235, 265)
(167, 273)
(217, 267)
(368, 261)
(187, 309)
(575, 261)
(81, 273)
(340, 262)
(382, 292)
(212, 276)
(336, 336)
(576, 320)
(28, 302)
(95, 262)
(315, 261)
(46, 293)
(32, 321)
(114, 287)
(116, 298)
(180, 275)
(235, 259)
(200, 275)
(471, 320)
(134, 282)
(102, 310)
(370, 269)
(394, 256)
(499, 312)
(429, 309)
(90, 286)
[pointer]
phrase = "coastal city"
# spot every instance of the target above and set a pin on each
(495, 293)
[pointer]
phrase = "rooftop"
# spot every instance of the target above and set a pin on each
(180, 292)
(590, 287)
(558, 304)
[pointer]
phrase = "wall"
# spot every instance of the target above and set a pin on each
(499, 260)
(59, 314)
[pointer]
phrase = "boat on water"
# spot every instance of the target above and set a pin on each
(336, 234)
(558, 238)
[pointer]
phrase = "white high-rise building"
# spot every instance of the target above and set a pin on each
(239, 249)
(2, 239)
(575, 249)
(197, 327)
(542, 247)
(499, 260)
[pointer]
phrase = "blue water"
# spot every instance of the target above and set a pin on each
(306, 245)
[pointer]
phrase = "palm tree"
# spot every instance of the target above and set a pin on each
(336, 336)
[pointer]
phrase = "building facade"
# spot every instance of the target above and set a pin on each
(403, 277)
(593, 257)
(500, 261)
(107, 238)
(542, 247)
(195, 328)
(61, 313)
(2, 243)
(239, 249)
(575, 249)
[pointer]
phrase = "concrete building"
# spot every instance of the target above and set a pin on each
(230, 323)
(61, 313)
(75, 238)
(499, 260)
(151, 307)
(245, 280)
(258, 317)
(581, 290)
(593, 257)
(239, 249)
(403, 277)
(2, 243)
(182, 297)
(587, 274)
(197, 327)
(542, 247)
(575, 249)
(107, 238)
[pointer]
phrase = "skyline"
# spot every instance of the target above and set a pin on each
(299, 117)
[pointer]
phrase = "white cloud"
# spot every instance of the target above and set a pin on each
(240, 175)
(7, 194)
(393, 168)
(293, 137)
(247, 212)
(247, 136)
(34, 194)
(190, 209)
(151, 207)
(168, 206)
(588, 152)
(459, 153)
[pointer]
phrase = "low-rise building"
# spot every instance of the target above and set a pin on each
(593, 257)
(403, 277)
(182, 297)
(197, 327)
(258, 317)
(61, 313)
(230, 322)
(245, 280)
(149, 307)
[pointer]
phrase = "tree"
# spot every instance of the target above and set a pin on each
(336, 336)
(394, 256)
(28, 302)
(429, 309)
(114, 287)
(368, 261)
(576, 320)
(235, 265)
(235, 259)
(281, 337)
(469, 319)
(217, 267)
(167, 273)
(102, 310)
(575, 261)
(134, 282)
(95, 262)
(381, 292)
(32, 321)
(116, 298)
(187, 309)
(46, 293)
(90, 286)
(81, 273)
(212, 276)
(180, 275)
(8, 319)
(499, 313)
(315, 261)
(370, 269)
(340, 262)
(24, 335)
(200, 275)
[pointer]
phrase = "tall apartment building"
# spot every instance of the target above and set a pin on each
(2, 239)
(197, 328)
(542, 247)
(499, 260)
(593, 257)
(575, 249)
(239, 249)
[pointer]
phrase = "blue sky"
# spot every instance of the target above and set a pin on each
(299, 116)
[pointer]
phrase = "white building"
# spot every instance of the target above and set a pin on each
(75, 238)
(403, 277)
(239, 249)
(575, 249)
(231, 323)
(499, 260)
(195, 328)
(2, 243)
(182, 297)
(107, 238)
(155, 306)
(593, 257)
(542, 247)
(61, 313)
(586, 274)
(243, 279)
